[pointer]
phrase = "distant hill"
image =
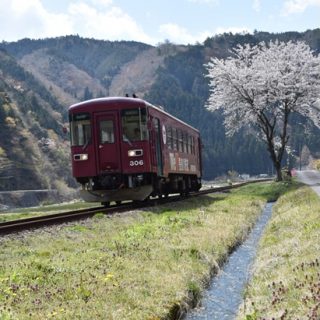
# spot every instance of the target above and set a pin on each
(33, 151)
(39, 79)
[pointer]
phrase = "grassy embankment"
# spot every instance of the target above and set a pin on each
(286, 281)
(21, 213)
(143, 265)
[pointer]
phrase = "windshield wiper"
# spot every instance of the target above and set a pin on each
(86, 144)
(125, 139)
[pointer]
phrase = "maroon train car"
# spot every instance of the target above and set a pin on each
(128, 149)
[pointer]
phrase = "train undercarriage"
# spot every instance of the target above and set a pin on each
(136, 187)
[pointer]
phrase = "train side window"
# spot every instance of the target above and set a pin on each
(169, 137)
(192, 146)
(180, 138)
(174, 139)
(80, 129)
(106, 131)
(185, 142)
(189, 144)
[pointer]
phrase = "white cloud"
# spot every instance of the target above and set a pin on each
(21, 19)
(104, 3)
(180, 35)
(298, 6)
(98, 19)
(256, 5)
(111, 23)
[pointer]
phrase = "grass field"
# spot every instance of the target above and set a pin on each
(21, 213)
(148, 264)
(286, 281)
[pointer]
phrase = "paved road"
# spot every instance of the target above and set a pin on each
(311, 178)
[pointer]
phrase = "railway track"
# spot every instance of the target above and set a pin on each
(15, 226)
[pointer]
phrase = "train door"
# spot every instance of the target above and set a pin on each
(107, 142)
(157, 129)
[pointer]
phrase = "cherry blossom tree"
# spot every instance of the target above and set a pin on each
(260, 86)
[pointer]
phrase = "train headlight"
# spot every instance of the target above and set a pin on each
(135, 153)
(80, 157)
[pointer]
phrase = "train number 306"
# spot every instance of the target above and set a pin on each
(134, 163)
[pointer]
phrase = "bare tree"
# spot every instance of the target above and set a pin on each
(261, 86)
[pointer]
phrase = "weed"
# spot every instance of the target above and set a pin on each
(194, 291)
(78, 228)
(99, 215)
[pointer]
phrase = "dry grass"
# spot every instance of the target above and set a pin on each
(286, 281)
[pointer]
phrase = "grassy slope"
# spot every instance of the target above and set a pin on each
(142, 265)
(22, 213)
(286, 281)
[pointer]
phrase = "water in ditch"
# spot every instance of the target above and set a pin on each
(224, 295)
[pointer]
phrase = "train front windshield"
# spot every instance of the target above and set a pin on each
(134, 124)
(80, 127)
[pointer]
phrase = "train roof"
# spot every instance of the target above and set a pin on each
(121, 101)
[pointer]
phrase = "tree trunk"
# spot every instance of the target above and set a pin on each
(268, 128)
(277, 166)
(274, 157)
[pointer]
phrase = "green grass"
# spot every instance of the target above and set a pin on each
(286, 281)
(270, 191)
(140, 265)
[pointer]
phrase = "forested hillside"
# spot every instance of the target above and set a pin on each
(33, 150)
(39, 79)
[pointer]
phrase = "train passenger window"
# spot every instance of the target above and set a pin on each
(169, 138)
(180, 141)
(185, 142)
(190, 144)
(134, 124)
(106, 131)
(80, 129)
(193, 150)
(174, 139)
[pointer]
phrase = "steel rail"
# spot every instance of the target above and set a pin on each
(57, 218)
(18, 225)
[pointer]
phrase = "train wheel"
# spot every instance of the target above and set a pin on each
(182, 188)
(140, 202)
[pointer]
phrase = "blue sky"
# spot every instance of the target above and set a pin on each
(149, 21)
